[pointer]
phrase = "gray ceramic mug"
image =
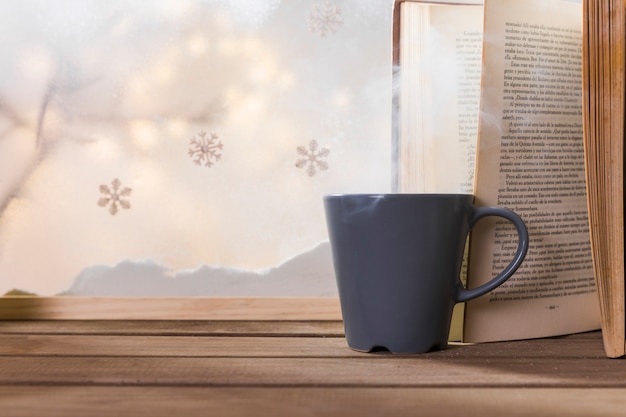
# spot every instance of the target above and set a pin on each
(397, 260)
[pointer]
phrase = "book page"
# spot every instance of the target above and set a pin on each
(439, 89)
(531, 160)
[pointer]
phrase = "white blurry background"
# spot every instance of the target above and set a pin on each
(182, 147)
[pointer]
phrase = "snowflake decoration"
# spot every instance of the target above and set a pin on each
(324, 19)
(205, 149)
(312, 158)
(113, 196)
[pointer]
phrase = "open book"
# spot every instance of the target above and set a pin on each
(489, 101)
(603, 97)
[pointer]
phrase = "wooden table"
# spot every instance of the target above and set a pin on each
(259, 368)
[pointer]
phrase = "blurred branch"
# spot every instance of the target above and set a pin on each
(40, 148)
(42, 113)
(12, 116)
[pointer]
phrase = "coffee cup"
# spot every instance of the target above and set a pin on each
(397, 261)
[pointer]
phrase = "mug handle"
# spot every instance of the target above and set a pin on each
(522, 247)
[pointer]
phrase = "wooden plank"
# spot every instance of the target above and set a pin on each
(181, 346)
(258, 346)
(576, 347)
(174, 327)
(178, 308)
(348, 372)
(295, 368)
(21, 401)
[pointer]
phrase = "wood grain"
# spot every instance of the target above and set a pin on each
(80, 401)
(310, 372)
(181, 346)
(174, 327)
(263, 347)
(166, 308)
(290, 368)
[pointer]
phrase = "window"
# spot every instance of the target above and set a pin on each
(183, 147)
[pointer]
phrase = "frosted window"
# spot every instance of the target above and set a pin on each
(183, 147)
